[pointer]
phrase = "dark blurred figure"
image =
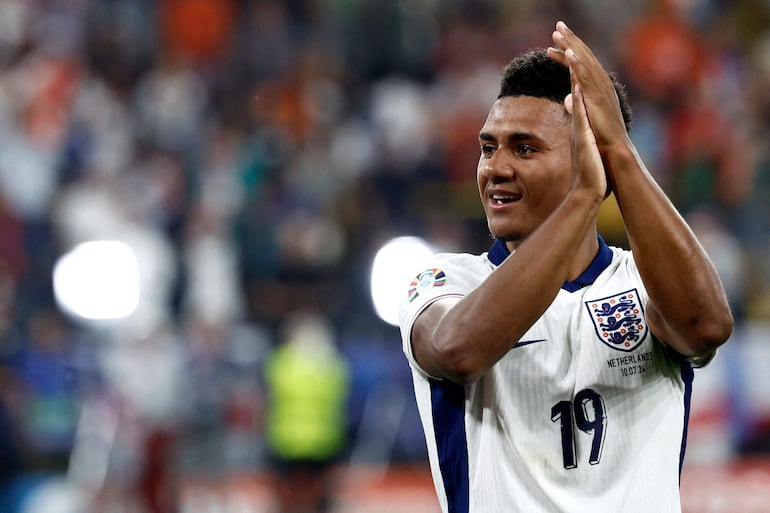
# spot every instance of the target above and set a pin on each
(10, 457)
(39, 406)
(48, 395)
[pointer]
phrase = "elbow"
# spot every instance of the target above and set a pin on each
(719, 329)
(454, 355)
(465, 377)
(697, 335)
(708, 336)
(457, 364)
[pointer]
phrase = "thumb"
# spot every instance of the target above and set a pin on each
(568, 103)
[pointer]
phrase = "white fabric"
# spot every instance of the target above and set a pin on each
(513, 415)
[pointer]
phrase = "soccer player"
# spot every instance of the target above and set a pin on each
(553, 372)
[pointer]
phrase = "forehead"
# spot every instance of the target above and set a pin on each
(527, 114)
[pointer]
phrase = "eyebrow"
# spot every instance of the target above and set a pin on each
(515, 136)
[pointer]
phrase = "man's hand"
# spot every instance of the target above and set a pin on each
(690, 314)
(587, 167)
(600, 98)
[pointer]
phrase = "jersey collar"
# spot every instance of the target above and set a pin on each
(499, 252)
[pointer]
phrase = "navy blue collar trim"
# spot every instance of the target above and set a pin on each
(499, 252)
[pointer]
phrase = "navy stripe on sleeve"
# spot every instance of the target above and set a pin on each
(448, 403)
(687, 377)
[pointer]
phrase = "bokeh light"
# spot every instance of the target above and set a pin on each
(396, 262)
(97, 280)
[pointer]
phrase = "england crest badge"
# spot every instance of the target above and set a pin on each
(619, 320)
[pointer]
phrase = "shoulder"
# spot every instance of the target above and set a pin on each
(621, 254)
(455, 268)
(623, 261)
(443, 276)
(446, 274)
(468, 260)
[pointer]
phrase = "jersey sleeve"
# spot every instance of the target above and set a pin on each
(446, 276)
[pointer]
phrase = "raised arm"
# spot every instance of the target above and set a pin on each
(460, 340)
(688, 308)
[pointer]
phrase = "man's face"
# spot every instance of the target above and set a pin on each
(524, 170)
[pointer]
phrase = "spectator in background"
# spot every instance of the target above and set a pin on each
(307, 385)
(208, 134)
(10, 455)
(39, 397)
(48, 393)
(694, 85)
(197, 29)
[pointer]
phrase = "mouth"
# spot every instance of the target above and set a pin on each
(500, 199)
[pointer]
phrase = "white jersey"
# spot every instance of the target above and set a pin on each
(588, 412)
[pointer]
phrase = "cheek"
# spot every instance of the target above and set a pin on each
(551, 193)
(481, 178)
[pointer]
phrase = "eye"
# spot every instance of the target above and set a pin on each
(525, 150)
(487, 150)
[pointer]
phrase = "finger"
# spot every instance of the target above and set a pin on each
(568, 103)
(584, 142)
(579, 110)
(557, 54)
(572, 52)
(575, 64)
(582, 69)
(564, 38)
(559, 40)
(563, 28)
(563, 35)
(565, 41)
(580, 114)
(582, 135)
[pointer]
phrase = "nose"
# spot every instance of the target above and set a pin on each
(497, 168)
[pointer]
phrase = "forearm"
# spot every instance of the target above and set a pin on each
(686, 295)
(487, 323)
(687, 308)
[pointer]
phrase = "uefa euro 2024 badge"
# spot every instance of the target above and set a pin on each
(425, 281)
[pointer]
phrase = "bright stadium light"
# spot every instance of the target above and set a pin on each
(97, 280)
(395, 264)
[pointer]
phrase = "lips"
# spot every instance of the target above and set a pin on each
(500, 198)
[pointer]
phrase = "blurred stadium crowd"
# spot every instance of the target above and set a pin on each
(257, 153)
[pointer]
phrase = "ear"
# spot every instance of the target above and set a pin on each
(568, 103)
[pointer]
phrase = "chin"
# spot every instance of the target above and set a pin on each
(507, 231)
(506, 236)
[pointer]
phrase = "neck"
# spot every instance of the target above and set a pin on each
(584, 256)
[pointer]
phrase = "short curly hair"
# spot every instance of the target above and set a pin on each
(535, 74)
